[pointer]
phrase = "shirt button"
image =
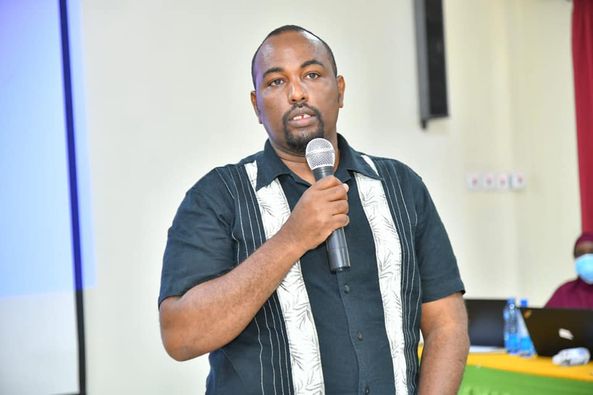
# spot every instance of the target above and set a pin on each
(359, 336)
(346, 288)
(367, 390)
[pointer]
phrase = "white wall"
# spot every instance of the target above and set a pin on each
(510, 75)
(168, 91)
(544, 145)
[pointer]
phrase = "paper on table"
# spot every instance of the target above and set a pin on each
(486, 349)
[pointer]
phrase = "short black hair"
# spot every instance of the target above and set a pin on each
(292, 28)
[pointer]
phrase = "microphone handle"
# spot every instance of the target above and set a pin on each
(322, 171)
(337, 249)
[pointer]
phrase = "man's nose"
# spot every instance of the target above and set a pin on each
(297, 92)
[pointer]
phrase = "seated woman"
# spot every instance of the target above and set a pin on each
(578, 294)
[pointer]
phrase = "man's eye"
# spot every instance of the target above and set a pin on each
(276, 82)
(312, 75)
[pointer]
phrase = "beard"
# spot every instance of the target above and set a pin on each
(297, 141)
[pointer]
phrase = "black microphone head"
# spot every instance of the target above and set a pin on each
(320, 153)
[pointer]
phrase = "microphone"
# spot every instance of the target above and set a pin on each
(321, 157)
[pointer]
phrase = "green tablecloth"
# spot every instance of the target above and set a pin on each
(485, 381)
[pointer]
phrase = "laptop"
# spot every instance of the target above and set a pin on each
(486, 323)
(552, 330)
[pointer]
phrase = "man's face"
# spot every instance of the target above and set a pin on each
(297, 95)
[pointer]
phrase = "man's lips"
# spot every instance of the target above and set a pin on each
(302, 118)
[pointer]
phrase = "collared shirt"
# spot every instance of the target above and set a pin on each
(219, 224)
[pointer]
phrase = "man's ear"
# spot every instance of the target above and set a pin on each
(254, 104)
(341, 88)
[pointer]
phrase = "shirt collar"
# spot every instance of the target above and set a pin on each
(269, 165)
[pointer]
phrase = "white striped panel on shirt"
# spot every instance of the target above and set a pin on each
(275, 313)
(305, 358)
(397, 200)
(261, 349)
(389, 260)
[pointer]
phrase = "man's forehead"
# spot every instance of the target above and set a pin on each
(291, 42)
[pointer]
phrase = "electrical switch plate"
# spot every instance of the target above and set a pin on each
(488, 181)
(502, 181)
(517, 180)
(473, 181)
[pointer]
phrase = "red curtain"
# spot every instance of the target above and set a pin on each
(582, 56)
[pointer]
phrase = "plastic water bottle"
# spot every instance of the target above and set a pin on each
(511, 337)
(525, 344)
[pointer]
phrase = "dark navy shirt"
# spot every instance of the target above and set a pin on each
(219, 224)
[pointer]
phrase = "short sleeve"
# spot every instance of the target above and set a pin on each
(437, 264)
(199, 243)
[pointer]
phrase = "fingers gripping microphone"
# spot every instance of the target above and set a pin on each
(321, 157)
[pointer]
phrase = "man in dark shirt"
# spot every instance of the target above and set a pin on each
(245, 273)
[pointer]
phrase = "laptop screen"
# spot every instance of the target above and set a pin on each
(553, 330)
(486, 324)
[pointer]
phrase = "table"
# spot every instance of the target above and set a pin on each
(503, 374)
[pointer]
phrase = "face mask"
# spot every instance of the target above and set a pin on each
(584, 266)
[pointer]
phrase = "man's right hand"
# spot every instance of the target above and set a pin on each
(213, 313)
(322, 209)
